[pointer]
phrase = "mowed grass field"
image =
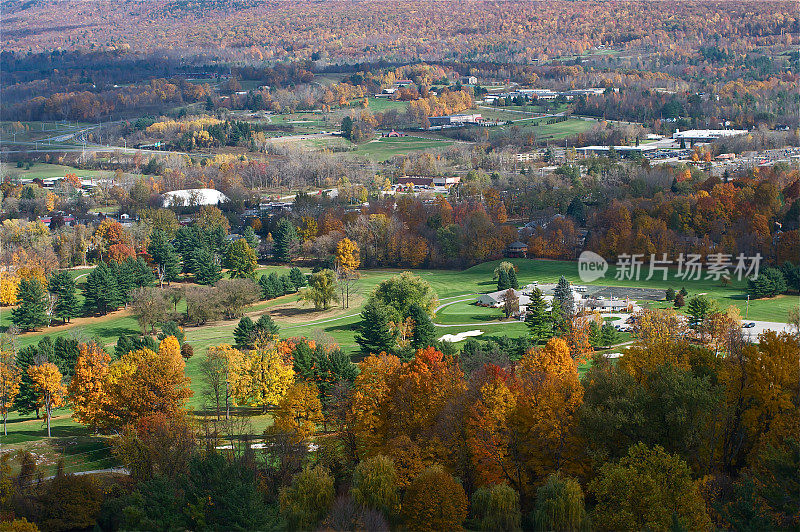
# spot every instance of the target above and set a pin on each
(45, 170)
(384, 148)
(456, 289)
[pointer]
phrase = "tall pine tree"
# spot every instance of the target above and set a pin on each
(62, 286)
(566, 301)
(283, 237)
(164, 256)
(374, 333)
(32, 310)
(537, 318)
(503, 282)
(207, 267)
(423, 334)
(297, 278)
(101, 293)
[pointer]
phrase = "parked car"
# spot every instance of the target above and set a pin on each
(749, 325)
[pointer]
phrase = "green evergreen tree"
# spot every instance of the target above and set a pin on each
(27, 399)
(283, 238)
(503, 282)
(769, 283)
(207, 267)
(164, 256)
(595, 334)
(297, 278)
(287, 286)
(423, 334)
(698, 309)
(62, 285)
(101, 293)
(241, 259)
(265, 325)
(171, 328)
(566, 301)
(263, 282)
(32, 310)
(125, 277)
(250, 237)
(537, 318)
(275, 284)
(243, 333)
(374, 333)
(669, 294)
(608, 335)
(142, 272)
(512, 279)
(65, 355)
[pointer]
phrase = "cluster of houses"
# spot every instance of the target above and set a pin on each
(543, 94)
(582, 301)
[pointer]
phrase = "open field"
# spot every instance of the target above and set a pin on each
(544, 131)
(379, 105)
(385, 148)
(44, 170)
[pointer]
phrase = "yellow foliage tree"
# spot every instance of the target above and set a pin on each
(544, 422)
(48, 387)
(488, 436)
(142, 383)
(263, 376)
(9, 288)
(86, 391)
(10, 377)
(308, 228)
(369, 390)
(299, 411)
(347, 255)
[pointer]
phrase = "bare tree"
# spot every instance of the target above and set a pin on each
(150, 307)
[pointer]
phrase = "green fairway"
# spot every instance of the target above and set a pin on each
(544, 131)
(385, 148)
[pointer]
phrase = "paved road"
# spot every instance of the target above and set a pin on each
(118, 470)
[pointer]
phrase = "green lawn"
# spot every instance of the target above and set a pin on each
(385, 148)
(379, 105)
(559, 130)
(44, 170)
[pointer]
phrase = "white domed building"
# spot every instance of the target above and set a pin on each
(193, 197)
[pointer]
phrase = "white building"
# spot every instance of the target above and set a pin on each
(496, 299)
(193, 197)
(706, 135)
